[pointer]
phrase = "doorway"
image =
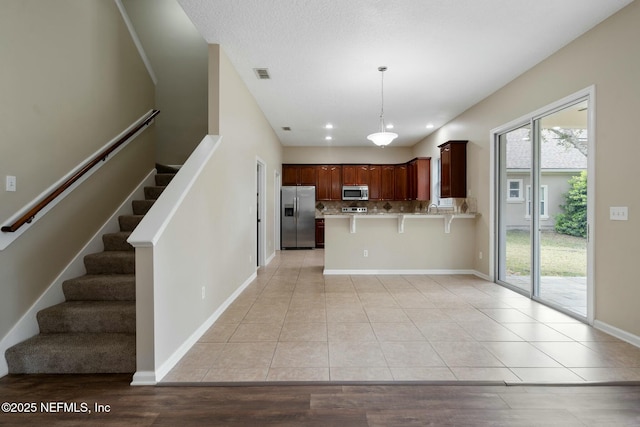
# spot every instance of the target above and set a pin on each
(543, 194)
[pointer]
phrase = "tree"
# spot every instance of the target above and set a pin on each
(573, 221)
(569, 138)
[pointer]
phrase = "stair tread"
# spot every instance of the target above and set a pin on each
(119, 233)
(101, 287)
(90, 306)
(73, 353)
(88, 317)
(111, 254)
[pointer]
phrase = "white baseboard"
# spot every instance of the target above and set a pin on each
(482, 276)
(350, 272)
(27, 326)
(617, 332)
(271, 257)
(144, 378)
(165, 368)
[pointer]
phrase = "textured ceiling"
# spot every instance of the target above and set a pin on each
(443, 56)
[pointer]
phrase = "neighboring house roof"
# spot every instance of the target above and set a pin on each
(554, 155)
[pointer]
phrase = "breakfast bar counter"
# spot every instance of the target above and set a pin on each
(399, 243)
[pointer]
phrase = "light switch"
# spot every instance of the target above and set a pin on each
(618, 213)
(10, 183)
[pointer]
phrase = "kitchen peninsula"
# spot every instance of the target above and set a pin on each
(397, 243)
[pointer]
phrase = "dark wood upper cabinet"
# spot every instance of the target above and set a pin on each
(406, 181)
(329, 182)
(299, 175)
(453, 169)
(289, 175)
(419, 179)
(401, 174)
(374, 182)
(355, 174)
(387, 182)
(308, 175)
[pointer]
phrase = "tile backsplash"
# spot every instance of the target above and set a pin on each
(467, 205)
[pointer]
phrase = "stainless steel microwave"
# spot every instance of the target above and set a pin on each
(355, 192)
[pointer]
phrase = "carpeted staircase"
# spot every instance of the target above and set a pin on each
(94, 330)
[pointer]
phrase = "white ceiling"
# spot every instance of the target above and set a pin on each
(443, 56)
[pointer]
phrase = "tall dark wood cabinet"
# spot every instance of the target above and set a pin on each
(453, 169)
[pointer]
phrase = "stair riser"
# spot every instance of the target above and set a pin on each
(116, 242)
(163, 179)
(152, 193)
(141, 207)
(125, 291)
(129, 222)
(87, 321)
(110, 265)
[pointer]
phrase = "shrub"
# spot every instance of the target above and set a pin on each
(574, 219)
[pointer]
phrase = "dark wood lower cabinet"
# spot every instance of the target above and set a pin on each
(319, 233)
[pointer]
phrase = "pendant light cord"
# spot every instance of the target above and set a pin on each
(382, 70)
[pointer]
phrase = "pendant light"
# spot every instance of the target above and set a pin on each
(382, 138)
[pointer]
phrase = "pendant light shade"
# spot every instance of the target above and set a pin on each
(383, 137)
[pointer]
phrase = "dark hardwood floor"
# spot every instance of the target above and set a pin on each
(310, 405)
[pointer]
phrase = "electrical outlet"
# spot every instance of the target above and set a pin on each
(203, 292)
(480, 255)
(365, 253)
(619, 213)
(10, 183)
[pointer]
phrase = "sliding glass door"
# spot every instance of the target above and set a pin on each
(542, 203)
(563, 186)
(515, 227)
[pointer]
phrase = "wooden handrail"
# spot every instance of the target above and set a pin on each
(28, 217)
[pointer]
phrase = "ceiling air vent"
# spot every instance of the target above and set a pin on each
(262, 73)
(286, 128)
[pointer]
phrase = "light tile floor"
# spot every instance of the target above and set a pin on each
(294, 324)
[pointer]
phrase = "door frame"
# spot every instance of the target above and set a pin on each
(261, 235)
(589, 94)
(277, 193)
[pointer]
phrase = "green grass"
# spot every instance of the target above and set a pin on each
(560, 255)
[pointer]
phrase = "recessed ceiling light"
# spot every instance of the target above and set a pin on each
(430, 126)
(328, 126)
(328, 138)
(389, 126)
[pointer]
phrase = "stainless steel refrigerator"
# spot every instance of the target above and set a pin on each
(298, 217)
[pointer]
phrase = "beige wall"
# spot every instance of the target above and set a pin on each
(71, 80)
(607, 57)
(179, 58)
(246, 136)
(328, 155)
